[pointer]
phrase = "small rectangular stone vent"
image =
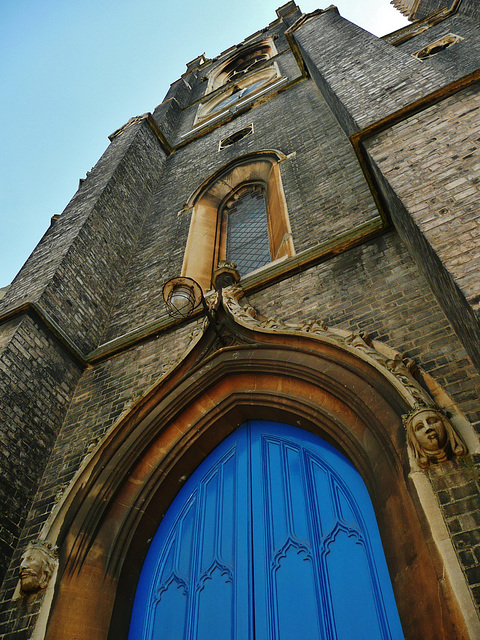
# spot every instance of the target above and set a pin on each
(437, 46)
(235, 137)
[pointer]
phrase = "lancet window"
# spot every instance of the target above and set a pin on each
(246, 237)
(239, 215)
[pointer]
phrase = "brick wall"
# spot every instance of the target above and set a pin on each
(437, 177)
(363, 78)
(377, 288)
(432, 187)
(37, 377)
(325, 190)
(77, 269)
(458, 59)
(458, 489)
(104, 392)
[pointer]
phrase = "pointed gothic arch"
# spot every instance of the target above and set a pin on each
(305, 378)
(241, 63)
(289, 546)
(246, 73)
(206, 237)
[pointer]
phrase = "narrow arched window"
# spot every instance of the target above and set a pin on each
(246, 222)
(239, 215)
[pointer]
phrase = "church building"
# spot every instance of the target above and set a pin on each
(240, 373)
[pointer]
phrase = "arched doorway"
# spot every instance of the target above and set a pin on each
(273, 536)
(325, 386)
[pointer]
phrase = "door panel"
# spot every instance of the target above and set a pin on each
(194, 583)
(273, 537)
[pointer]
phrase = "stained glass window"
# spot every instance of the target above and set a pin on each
(248, 244)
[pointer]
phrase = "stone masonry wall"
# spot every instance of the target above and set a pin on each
(37, 378)
(364, 78)
(457, 485)
(325, 190)
(437, 177)
(432, 185)
(377, 288)
(458, 59)
(77, 268)
(105, 392)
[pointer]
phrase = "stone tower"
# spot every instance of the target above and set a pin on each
(339, 173)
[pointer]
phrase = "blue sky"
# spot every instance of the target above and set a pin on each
(76, 70)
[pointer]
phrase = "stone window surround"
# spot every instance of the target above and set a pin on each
(232, 139)
(437, 47)
(221, 75)
(270, 75)
(205, 244)
(209, 120)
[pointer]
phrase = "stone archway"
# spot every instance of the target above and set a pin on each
(309, 378)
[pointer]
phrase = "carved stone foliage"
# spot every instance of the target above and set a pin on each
(93, 444)
(401, 367)
(60, 492)
(37, 565)
(431, 436)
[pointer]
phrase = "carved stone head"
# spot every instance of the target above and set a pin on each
(431, 436)
(37, 565)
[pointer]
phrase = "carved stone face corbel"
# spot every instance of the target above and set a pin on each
(431, 436)
(37, 565)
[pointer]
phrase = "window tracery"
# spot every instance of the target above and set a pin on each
(241, 64)
(247, 73)
(237, 93)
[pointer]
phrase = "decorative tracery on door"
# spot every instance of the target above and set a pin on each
(273, 536)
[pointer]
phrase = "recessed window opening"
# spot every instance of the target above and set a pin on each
(245, 218)
(242, 207)
(247, 60)
(245, 73)
(235, 137)
(243, 64)
(437, 46)
(237, 94)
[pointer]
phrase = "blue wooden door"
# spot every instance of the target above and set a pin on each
(273, 537)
